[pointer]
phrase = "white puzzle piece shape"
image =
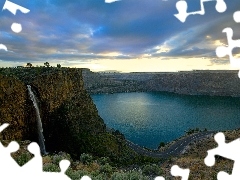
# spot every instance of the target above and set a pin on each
(182, 7)
(229, 151)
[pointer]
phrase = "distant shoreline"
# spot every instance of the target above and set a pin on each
(212, 83)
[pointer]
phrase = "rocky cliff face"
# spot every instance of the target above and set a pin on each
(214, 83)
(70, 119)
(96, 83)
(13, 106)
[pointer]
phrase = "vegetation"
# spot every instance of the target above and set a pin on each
(29, 65)
(192, 131)
(72, 112)
(151, 169)
(162, 144)
(106, 155)
(97, 168)
(23, 158)
(47, 64)
(86, 158)
(101, 168)
(28, 73)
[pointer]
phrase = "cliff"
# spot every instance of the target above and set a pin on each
(70, 119)
(214, 83)
(13, 107)
(96, 83)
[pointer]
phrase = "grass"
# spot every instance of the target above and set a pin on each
(103, 168)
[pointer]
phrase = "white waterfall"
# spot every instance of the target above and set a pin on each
(39, 121)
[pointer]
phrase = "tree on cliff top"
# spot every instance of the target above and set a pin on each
(46, 64)
(29, 65)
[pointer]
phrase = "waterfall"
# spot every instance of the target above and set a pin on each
(39, 122)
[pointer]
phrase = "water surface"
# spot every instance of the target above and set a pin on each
(150, 118)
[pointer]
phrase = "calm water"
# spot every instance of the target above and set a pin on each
(149, 118)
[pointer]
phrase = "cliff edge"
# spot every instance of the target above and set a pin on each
(69, 117)
(199, 82)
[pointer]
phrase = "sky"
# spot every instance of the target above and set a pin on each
(127, 35)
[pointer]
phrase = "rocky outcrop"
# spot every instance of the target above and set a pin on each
(70, 119)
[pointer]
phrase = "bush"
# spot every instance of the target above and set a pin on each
(106, 169)
(56, 159)
(100, 177)
(191, 131)
(47, 159)
(162, 144)
(23, 158)
(151, 170)
(76, 175)
(49, 167)
(119, 176)
(86, 158)
(132, 175)
(103, 160)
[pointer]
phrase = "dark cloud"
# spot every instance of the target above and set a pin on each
(86, 29)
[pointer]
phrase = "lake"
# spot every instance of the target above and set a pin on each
(150, 118)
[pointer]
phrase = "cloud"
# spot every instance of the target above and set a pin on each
(88, 29)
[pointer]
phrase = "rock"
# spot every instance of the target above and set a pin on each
(70, 119)
(213, 83)
(13, 107)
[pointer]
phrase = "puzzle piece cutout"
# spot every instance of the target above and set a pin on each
(182, 9)
(16, 27)
(12, 7)
(177, 171)
(6, 161)
(32, 169)
(222, 51)
(227, 150)
(85, 178)
(236, 16)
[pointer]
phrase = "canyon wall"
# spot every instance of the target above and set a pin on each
(13, 107)
(70, 119)
(213, 83)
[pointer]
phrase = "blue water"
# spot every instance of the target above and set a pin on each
(150, 118)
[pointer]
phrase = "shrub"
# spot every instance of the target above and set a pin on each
(86, 158)
(95, 173)
(23, 158)
(100, 177)
(151, 170)
(50, 167)
(56, 159)
(132, 175)
(107, 169)
(104, 160)
(76, 175)
(191, 131)
(119, 176)
(162, 144)
(47, 159)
